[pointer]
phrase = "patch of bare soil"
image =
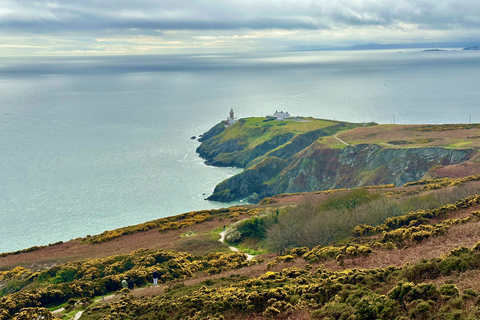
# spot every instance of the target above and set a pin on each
(460, 170)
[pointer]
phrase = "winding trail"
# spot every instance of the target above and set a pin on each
(222, 240)
(340, 140)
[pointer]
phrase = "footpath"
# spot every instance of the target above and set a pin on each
(222, 240)
(111, 297)
(340, 140)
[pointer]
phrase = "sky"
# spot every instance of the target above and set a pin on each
(109, 27)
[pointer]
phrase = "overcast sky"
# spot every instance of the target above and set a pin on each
(73, 27)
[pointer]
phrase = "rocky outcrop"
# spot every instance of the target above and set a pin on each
(214, 131)
(252, 180)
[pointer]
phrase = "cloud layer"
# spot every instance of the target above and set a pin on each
(149, 25)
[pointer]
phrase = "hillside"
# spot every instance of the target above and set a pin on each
(382, 252)
(301, 155)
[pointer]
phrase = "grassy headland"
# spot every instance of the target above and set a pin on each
(306, 154)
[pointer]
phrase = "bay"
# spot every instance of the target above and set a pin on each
(89, 144)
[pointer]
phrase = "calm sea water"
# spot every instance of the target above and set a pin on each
(92, 144)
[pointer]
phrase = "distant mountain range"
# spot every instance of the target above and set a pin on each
(377, 46)
(472, 48)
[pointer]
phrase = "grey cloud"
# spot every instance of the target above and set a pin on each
(80, 16)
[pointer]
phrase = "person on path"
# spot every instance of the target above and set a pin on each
(131, 284)
(124, 284)
(223, 228)
(155, 277)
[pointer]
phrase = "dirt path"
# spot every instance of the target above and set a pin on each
(222, 240)
(340, 140)
(148, 290)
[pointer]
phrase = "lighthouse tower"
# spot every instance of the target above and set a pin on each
(230, 120)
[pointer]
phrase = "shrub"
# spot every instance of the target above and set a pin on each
(421, 311)
(333, 310)
(449, 290)
(65, 275)
(252, 228)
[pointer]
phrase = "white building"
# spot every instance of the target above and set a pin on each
(230, 120)
(280, 116)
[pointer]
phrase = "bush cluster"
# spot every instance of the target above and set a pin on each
(94, 277)
(442, 182)
(416, 218)
(385, 293)
(413, 233)
(339, 253)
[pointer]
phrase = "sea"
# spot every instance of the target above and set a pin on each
(89, 144)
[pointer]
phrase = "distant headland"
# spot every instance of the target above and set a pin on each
(285, 154)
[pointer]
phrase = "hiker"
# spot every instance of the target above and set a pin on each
(131, 284)
(155, 277)
(223, 228)
(124, 284)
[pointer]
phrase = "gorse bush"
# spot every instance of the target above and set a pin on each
(418, 217)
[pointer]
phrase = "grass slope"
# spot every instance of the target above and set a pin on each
(418, 265)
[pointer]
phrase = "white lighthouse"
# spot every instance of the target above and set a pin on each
(231, 120)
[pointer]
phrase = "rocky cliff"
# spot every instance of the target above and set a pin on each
(298, 162)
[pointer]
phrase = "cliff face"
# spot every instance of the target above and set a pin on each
(362, 165)
(289, 162)
(320, 168)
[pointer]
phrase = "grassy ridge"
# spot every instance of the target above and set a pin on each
(305, 283)
(257, 130)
